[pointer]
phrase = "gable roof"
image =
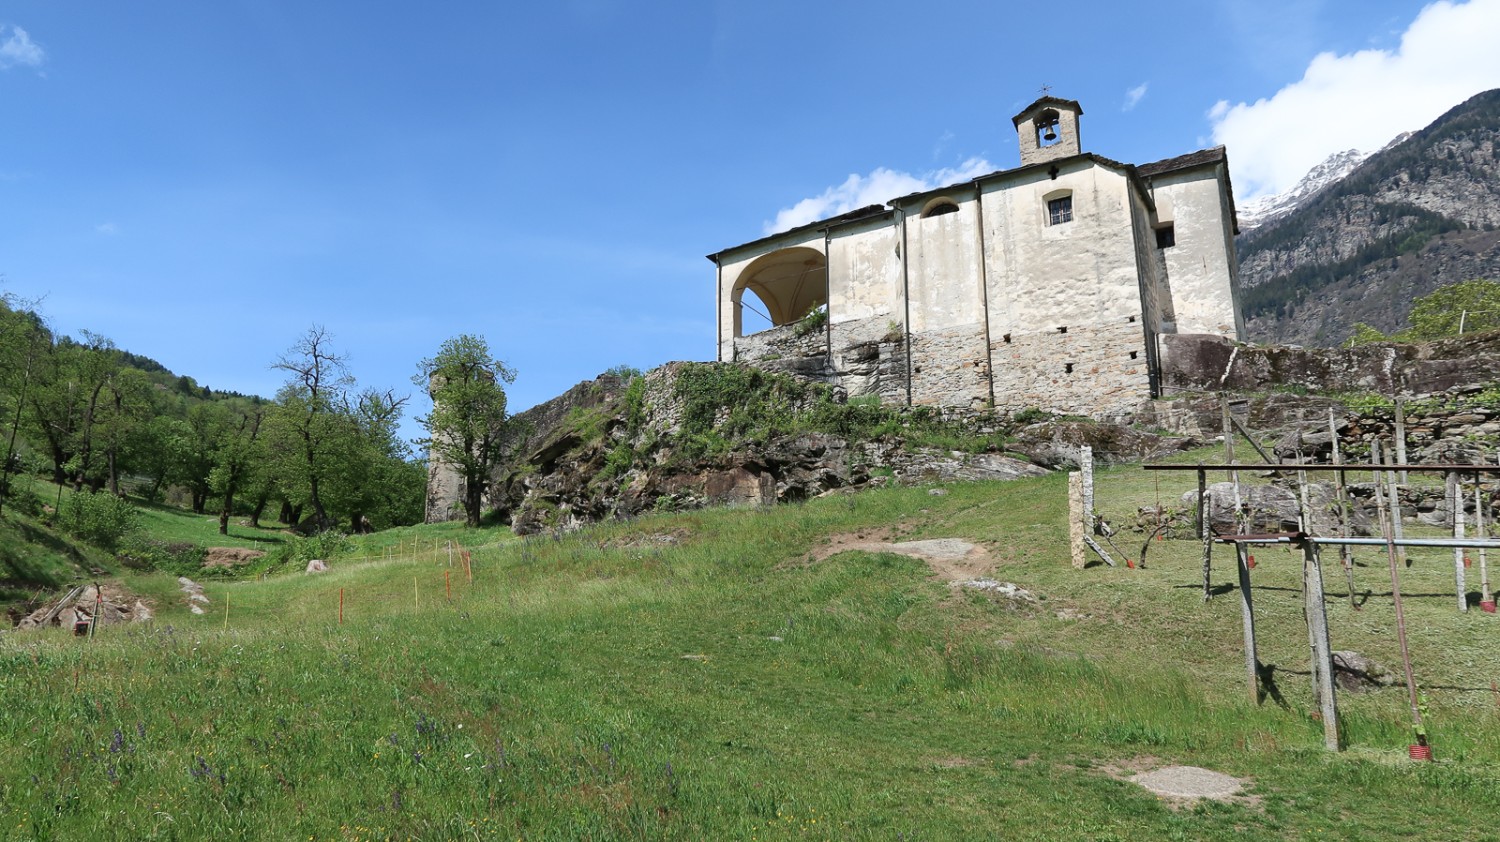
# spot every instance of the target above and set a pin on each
(1045, 101)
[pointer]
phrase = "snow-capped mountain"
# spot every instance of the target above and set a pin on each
(1257, 212)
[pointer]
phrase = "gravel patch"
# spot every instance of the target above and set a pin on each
(1190, 782)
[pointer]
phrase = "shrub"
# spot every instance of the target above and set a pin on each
(181, 558)
(100, 519)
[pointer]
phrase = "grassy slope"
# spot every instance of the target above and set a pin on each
(552, 698)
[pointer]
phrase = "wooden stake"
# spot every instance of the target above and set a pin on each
(1247, 617)
(448, 585)
(226, 612)
(1397, 528)
(1228, 435)
(1401, 438)
(1346, 554)
(1086, 467)
(450, 553)
(1484, 568)
(1390, 553)
(1075, 518)
(1459, 578)
(1206, 531)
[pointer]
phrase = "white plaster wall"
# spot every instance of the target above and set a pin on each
(1201, 268)
(864, 272)
(943, 268)
(1042, 276)
(733, 265)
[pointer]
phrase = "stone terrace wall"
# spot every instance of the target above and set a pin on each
(1200, 362)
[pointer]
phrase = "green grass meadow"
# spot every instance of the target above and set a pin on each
(723, 685)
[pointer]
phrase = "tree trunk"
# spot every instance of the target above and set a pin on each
(224, 513)
(258, 510)
(287, 516)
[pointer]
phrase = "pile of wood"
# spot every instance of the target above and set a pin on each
(84, 605)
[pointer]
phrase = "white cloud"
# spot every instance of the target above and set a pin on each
(1362, 100)
(18, 49)
(108, 229)
(1134, 96)
(877, 188)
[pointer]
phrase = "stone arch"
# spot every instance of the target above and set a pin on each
(790, 282)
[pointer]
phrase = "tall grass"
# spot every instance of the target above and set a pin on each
(614, 684)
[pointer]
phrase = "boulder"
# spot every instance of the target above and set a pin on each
(1273, 508)
(1356, 673)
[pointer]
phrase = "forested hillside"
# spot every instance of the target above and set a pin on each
(1416, 216)
(95, 419)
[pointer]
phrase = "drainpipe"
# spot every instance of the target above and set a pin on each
(984, 294)
(906, 301)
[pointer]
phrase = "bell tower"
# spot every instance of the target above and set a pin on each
(1048, 129)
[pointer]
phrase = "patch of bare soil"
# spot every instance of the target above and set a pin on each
(952, 559)
(229, 556)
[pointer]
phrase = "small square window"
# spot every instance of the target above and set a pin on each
(1166, 236)
(1060, 210)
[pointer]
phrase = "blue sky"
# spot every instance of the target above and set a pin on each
(201, 182)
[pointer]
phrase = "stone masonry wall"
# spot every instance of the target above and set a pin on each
(1090, 370)
(950, 367)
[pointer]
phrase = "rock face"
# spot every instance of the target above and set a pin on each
(688, 435)
(1418, 215)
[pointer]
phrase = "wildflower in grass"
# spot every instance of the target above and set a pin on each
(118, 744)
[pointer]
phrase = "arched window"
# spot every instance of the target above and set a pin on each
(938, 207)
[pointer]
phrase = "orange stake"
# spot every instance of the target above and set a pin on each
(447, 585)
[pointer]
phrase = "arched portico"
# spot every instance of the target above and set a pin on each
(790, 283)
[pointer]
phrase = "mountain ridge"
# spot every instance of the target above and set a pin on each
(1406, 220)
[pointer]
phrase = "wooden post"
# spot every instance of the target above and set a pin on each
(1247, 619)
(450, 553)
(1322, 654)
(1346, 553)
(1206, 531)
(1075, 518)
(1086, 467)
(1459, 579)
(1228, 434)
(1401, 438)
(1486, 599)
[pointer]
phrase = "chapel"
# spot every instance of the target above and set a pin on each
(1049, 285)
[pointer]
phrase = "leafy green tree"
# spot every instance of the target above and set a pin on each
(468, 428)
(238, 458)
(1474, 305)
(1363, 334)
(307, 421)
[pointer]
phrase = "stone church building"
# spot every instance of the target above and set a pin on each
(1050, 285)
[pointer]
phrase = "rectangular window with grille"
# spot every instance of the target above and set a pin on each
(1060, 210)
